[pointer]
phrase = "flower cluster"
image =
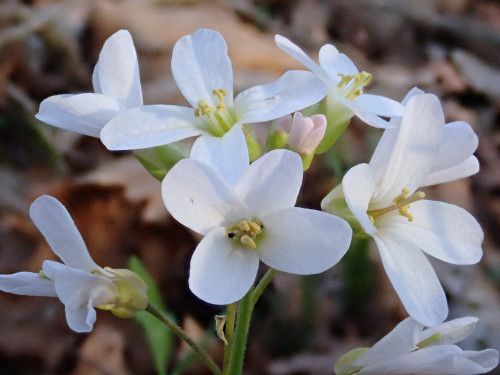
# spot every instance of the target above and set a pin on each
(241, 195)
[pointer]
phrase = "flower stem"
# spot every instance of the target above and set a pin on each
(244, 314)
(263, 283)
(229, 333)
(153, 310)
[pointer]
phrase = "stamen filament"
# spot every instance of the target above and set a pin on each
(352, 85)
(401, 202)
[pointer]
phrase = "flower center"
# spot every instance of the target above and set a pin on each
(401, 202)
(351, 86)
(246, 231)
(219, 120)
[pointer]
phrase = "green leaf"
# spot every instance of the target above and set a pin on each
(158, 336)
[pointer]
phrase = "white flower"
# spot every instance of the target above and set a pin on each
(247, 213)
(345, 86)
(455, 157)
(411, 350)
(79, 283)
(117, 88)
(383, 198)
(203, 72)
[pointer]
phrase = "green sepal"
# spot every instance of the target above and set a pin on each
(338, 118)
(307, 160)
(276, 139)
(254, 148)
(159, 160)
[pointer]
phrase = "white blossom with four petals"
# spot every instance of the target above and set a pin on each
(345, 84)
(78, 282)
(203, 73)
(409, 349)
(247, 213)
(117, 88)
(382, 196)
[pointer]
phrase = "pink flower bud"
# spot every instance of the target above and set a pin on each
(306, 133)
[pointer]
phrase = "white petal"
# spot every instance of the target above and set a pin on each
(272, 182)
(459, 143)
(451, 332)
(414, 152)
(443, 230)
(294, 90)
(200, 198)
(382, 154)
(413, 277)
(200, 64)
(116, 73)
(50, 268)
(76, 290)
(228, 154)
(414, 91)
(222, 270)
(82, 319)
(149, 126)
(294, 51)
(333, 62)
(303, 241)
(462, 170)
(359, 187)
(82, 113)
(28, 284)
(59, 229)
(379, 105)
(439, 360)
(364, 115)
(398, 342)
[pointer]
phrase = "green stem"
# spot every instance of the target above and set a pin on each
(229, 333)
(263, 283)
(153, 310)
(244, 314)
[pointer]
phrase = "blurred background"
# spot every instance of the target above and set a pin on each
(302, 324)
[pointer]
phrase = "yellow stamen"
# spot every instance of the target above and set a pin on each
(401, 202)
(246, 231)
(248, 241)
(353, 84)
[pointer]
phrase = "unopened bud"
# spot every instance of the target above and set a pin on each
(306, 133)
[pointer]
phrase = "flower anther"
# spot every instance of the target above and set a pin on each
(351, 86)
(246, 231)
(219, 119)
(402, 203)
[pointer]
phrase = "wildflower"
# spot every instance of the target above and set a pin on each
(409, 349)
(203, 72)
(345, 97)
(384, 202)
(247, 213)
(78, 282)
(117, 88)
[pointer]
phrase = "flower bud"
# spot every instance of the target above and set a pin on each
(306, 133)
